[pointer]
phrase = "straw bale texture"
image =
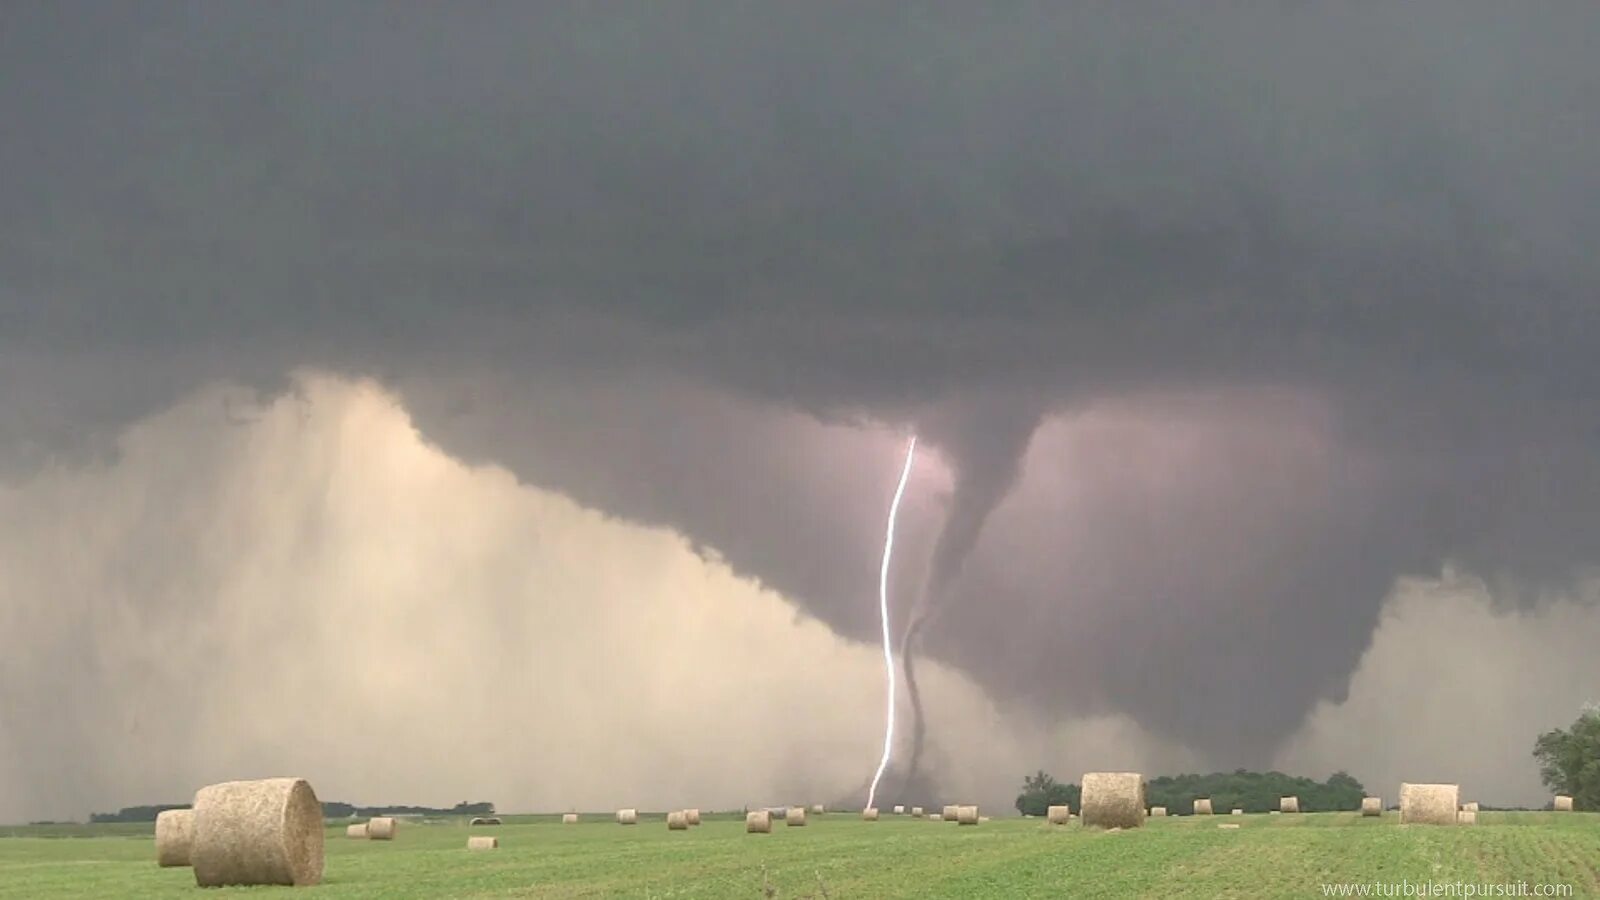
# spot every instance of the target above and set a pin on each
(1112, 800)
(174, 835)
(257, 832)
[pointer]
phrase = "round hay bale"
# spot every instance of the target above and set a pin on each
(1470, 807)
(1372, 806)
(1289, 804)
(1429, 804)
(1467, 817)
(627, 817)
(569, 819)
(1236, 811)
(1158, 811)
(795, 816)
(758, 822)
(818, 808)
(484, 820)
(1227, 826)
(381, 828)
(692, 816)
(982, 819)
(936, 817)
(174, 836)
(949, 813)
(257, 832)
(1058, 815)
(480, 842)
(1563, 803)
(916, 812)
(678, 821)
(870, 814)
(356, 831)
(1112, 800)
(899, 810)
(1202, 806)
(966, 815)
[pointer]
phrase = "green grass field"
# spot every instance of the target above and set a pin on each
(838, 856)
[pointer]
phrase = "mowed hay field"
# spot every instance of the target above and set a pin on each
(838, 855)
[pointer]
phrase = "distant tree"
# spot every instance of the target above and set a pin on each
(1569, 760)
(1040, 792)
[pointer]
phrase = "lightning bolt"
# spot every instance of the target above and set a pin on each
(883, 612)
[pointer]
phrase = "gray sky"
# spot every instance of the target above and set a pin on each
(1219, 324)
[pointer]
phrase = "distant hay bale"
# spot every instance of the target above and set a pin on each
(982, 819)
(692, 816)
(966, 815)
(818, 808)
(174, 836)
(1202, 806)
(380, 828)
(484, 820)
(1275, 812)
(1158, 811)
(1372, 806)
(480, 842)
(627, 817)
(916, 812)
(257, 832)
(569, 819)
(758, 822)
(870, 814)
(899, 810)
(1228, 825)
(1112, 800)
(1467, 817)
(1470, 807)
(1058, 815)
(949, 813)
(778, 812)
(1236, 811)
(796, 816)
(356, 831)
(936, 817)
(678, 821)
(1289, 804)
(1563, 803)
(1429, 804)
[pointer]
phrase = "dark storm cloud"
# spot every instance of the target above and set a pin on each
(896, 213)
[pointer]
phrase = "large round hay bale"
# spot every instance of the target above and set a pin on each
(1112, 800)
(174, 836)
(795, 816)
(1158, 811)
(1289, 804)
(480, 842)
(899, 810)
(1429, 804)
(1470, 807)
(870, 814)
(758, 822)
(678, 821)
(1202, 806)
(257, 832)
(1372, 806)
(916, 812)
(692, 816)
(627, 817)
(1059, 815)
(381, 828)
(966, 815)
(1563, 803)
(1467, 817)
(949, 813)
(356, 831)
(569, 819)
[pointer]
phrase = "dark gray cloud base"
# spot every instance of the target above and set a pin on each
(907, 214)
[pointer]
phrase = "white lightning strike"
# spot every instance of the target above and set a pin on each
(883, 611)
